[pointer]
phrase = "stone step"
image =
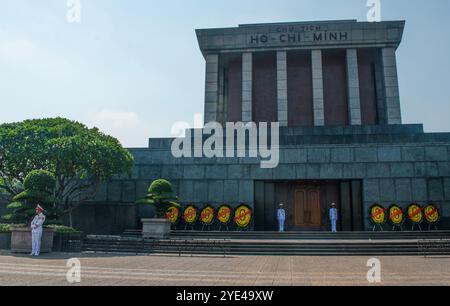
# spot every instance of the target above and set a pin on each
(302, 235)
(275, 243)
(117, 244)
(303, 252)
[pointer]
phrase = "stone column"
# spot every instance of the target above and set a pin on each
(282, 88)
(222, 107)
(317, 75)
(354, 101)
(391, 91)
(247, 87)
(379, 83)
(211, 87)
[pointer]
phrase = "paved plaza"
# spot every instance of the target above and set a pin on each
(164, 270)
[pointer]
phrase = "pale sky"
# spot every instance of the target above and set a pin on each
(133, 67)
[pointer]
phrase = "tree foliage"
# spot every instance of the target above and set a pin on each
(80, 158)
(39, 190)
(160, 194)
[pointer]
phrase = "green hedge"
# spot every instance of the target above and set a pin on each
(59, 229)
(64, 230)
(4, 228)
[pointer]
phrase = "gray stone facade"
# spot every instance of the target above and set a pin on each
(396, 164)
(307, 35)
(315, 37)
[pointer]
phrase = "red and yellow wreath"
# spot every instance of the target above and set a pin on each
(207, 215)
(190, 214)
(377, 214)
(243, 216)
(173, 214)
(415, 213)
(224, 214)
(432, 214)
(396, 215)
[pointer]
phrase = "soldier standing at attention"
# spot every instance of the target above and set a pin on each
(333, 217)
(281, 216)
(36, 231)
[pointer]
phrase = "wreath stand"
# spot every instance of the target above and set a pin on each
(208, 227)
(227, 229)
(186, 226)
(414, 226)
(399, 226)
(240, 229)
(379, 226)
(433, 225)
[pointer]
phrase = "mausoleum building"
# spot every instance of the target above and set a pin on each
(303, 75)
(333, 88)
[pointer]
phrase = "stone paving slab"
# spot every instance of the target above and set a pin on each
(165, 270)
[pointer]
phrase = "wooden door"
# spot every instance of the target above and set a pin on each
(307, 211)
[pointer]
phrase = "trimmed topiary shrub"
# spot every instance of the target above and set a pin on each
(160, 194)
(39, 189)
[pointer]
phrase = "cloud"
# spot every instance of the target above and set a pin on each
(128, 127)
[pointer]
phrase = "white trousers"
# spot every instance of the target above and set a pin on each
(333, 225)
(36, 237)
(281, 225)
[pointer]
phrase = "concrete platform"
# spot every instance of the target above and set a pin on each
(155, 270)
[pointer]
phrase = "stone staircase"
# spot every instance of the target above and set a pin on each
(271, 243)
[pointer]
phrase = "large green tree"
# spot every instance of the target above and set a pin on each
(79, 157)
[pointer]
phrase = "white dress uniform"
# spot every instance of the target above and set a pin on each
(333, 219)
(281, 216)
(36, 233)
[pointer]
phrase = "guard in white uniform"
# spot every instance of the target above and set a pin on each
(281, 216)
(333, 217)
(36, 231)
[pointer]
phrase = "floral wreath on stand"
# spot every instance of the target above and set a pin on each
(207, 216)
(396, 216)
(190, 215)
(223, 215)
(377, 214)
(243, 216)
(415, 215)
(432, 215)
(173, 214)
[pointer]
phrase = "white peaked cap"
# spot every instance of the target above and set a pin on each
(39, 207)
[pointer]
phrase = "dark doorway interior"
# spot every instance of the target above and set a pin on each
(307, 204)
